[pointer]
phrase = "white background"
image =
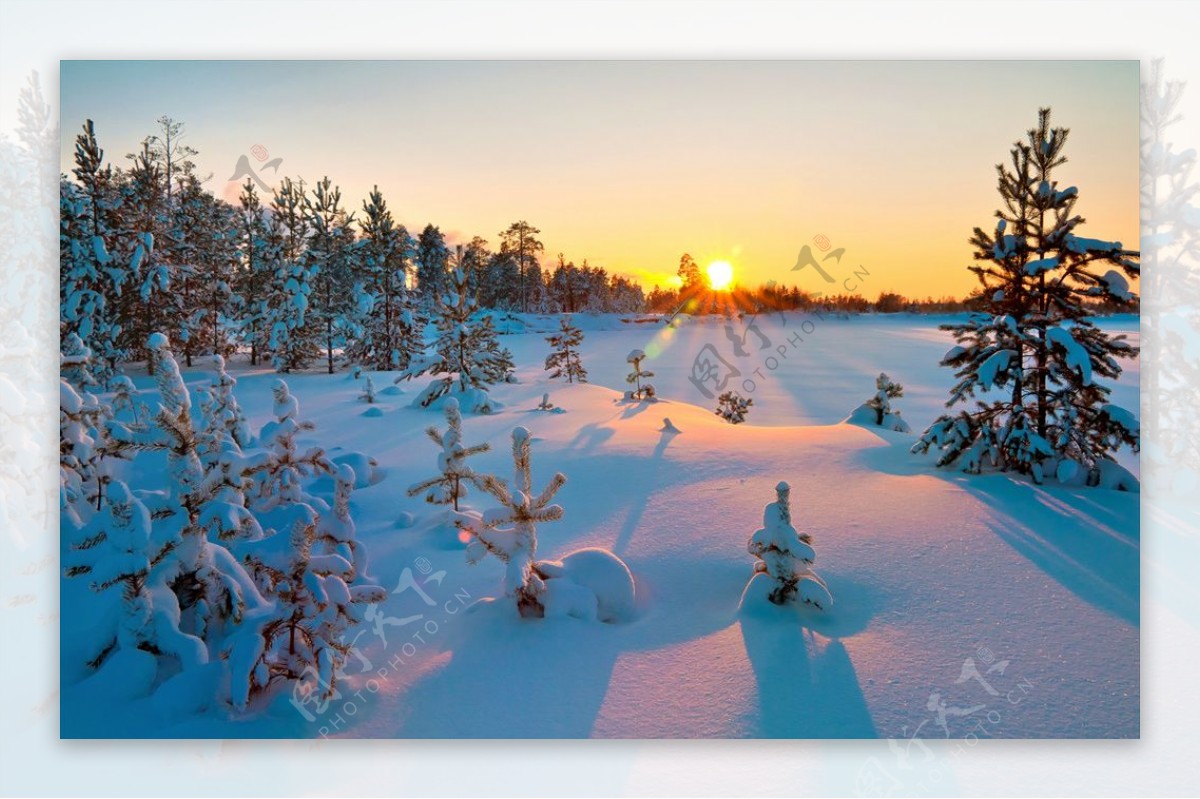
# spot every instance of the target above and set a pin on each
(35, 35)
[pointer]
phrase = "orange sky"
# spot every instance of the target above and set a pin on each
(630, 164)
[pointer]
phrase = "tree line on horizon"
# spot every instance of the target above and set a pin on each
(772, 297)
(289, 278)
(296, 277)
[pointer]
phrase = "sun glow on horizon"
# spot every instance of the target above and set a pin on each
(720, 275)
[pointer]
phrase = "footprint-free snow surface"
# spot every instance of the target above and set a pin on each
(962, 603)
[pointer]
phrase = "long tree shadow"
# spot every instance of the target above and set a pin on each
(1086, 539)
(504, 680)
(589, 437)
(807, 685)
(1097, 561)
(805, 690)
(638, 507)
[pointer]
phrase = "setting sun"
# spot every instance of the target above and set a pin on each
(720, 275)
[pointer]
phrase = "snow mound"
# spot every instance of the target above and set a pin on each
(374, 412)
(600, 574)
(864, 416)
(1115, 476)
(365, 468)
(472, 400)
(565, 598)
(405, 520)
(756, 600)
(391, 391)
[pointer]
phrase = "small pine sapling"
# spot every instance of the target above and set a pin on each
(564, 359)
(277, 472)
(733, 407)
(75, 362)
(337, 530)
(466, 358)
(878, 410)
(885, 391)
(368, 394)
(643, 391)
(126, 402)
(510, 531)
(80, 477)
(223, 417)
(303, 635)
(450, 485)
(546, 404)
(786, 556)
(118, 550)
(205, 576)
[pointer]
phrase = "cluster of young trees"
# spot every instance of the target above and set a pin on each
(221, 557)
(294, 278)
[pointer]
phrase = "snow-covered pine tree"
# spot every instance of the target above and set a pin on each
(520, 246)
(75, 362)
(222, 414)
(368, 394)
(304, 631)
(465, 352)
(292, 339)
(510, 531)
(642, 391)
(255, 273)
(209, 253)
(80, 478)
(433, 261)
(118, 548)
(336, 530)
(204, 576)
(309, 562)
(149, 221)
(499, 285)
(733, 407)
(450, 484)
(1032, 347)
(785, 556)
(498, 365)
(330, 258)
(390, 328)
(878, 411)
(474, 260)
(126, 402)
(885, 391)
(564, 359)
(277, 473)
(89, 277)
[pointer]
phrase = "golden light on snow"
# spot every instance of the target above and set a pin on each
(720, 275)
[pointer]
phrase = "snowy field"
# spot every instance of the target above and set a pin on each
(963, 605)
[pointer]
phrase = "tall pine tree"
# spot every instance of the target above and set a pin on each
(389, 329)
(330, 261)
(1031, 350)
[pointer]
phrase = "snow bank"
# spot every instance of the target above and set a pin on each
(600, 573)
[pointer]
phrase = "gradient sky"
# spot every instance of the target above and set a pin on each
(629, 164)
